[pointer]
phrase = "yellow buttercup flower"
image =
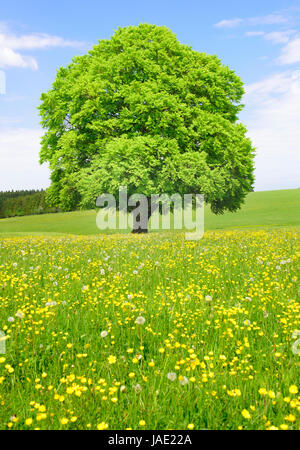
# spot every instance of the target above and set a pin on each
(64, 421)
(293, 389)
(102, 426)
(112, 359)
(290, 418)
(246, 414)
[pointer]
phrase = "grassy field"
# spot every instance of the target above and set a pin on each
(152, 331)
(270, 208)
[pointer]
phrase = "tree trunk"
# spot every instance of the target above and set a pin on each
(140, 230)
(140, 224)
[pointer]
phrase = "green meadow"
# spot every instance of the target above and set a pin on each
(152, 331)
(268, 209)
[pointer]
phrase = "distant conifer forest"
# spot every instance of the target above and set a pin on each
(23, 203)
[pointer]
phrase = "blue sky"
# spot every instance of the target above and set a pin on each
(260, 40)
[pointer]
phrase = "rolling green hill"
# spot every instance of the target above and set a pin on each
(261, 209)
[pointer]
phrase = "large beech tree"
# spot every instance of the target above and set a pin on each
(143, 110)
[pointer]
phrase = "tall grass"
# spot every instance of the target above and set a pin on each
(151, 332)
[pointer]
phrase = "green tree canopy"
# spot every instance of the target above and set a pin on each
(143, 110)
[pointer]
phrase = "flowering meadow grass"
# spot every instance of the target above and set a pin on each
(150, 332)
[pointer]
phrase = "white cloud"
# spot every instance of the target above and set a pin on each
(273, 124)
(270, 19)
(254, 33)
(3, 27)
(19, 156)
(272, 107)
(10, 58)
(11, 44)
(279, 37)
(5, 121)
(276, 37)
(290, 53)
(35, 41)
(260, 91)
(228, 23)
